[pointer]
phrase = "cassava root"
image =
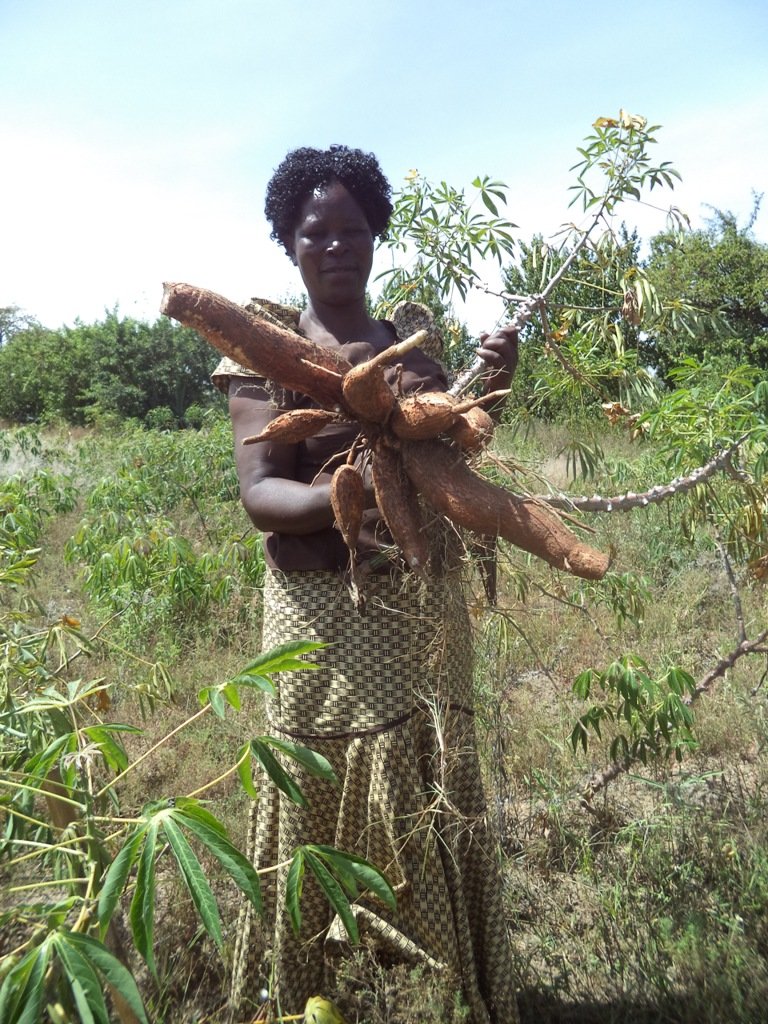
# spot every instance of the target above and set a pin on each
(440, 474)
(415, 462)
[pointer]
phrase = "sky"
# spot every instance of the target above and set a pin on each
(137, 137)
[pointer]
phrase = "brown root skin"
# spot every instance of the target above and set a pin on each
(348, 503)
(473, 430)
(367, 393)
(294, 426)
(273, 352)
(399, 505)
(421, 416)
(439, 472)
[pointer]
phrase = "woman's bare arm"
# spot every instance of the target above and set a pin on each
(272, 496)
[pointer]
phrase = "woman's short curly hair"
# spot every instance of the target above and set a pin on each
(306, 169)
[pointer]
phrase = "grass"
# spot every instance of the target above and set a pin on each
(648, 904)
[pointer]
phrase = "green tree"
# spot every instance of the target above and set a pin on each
(13, 320)
(720, 270)
(117, 366)
(597, 295)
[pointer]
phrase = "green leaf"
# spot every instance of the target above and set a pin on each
(317, 765)
(333, 893)
(294, 885)
(276, 772)
(367, 875)
(195, 879)
(21, 995)
(113, 752)
(250, 679)
(284, 658)
(116, 877)
(238, 867)
(115, 973)
(245, 771)
(489, 203)
(142, 910)
(82, 980)
(217, 701)
(230, 694)
(192, 808)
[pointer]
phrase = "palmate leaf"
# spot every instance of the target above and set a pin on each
(333, 893)
(277, 774)
(317, 765)
(238, 867)
(339, 875)
(115, 973)
(83, 982)
(284, 658)
(365, 874)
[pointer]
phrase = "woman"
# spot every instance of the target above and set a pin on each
(390, 706)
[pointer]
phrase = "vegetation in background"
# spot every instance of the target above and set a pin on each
(623, 723)
(119, 367)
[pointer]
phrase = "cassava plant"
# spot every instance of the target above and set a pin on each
(59, 752)
(73, 857)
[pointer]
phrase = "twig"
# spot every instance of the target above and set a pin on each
(630, 500)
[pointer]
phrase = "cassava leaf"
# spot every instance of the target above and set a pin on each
(333, 893)
(367, 875)
(238, 867)
(82, 980)
(194, 877)
(115, 973)
(276, 772)
(317, 765)
(116, 877)
(21, 995)
(142, 910)
(294, 885)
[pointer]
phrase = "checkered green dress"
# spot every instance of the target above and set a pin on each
(391, 709)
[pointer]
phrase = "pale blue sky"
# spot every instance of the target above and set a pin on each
(137, 137)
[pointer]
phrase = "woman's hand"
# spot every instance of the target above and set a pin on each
(499, 352)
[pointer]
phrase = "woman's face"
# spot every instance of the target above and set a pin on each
(332, 246)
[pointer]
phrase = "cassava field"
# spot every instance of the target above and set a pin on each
(129, 610)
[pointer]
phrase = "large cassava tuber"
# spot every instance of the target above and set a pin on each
(402, 432)
(399, 505)
(271, 351)
(441, 475)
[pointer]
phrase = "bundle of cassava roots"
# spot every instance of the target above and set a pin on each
(419, 444)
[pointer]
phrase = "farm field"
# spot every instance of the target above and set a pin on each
(630, 801)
